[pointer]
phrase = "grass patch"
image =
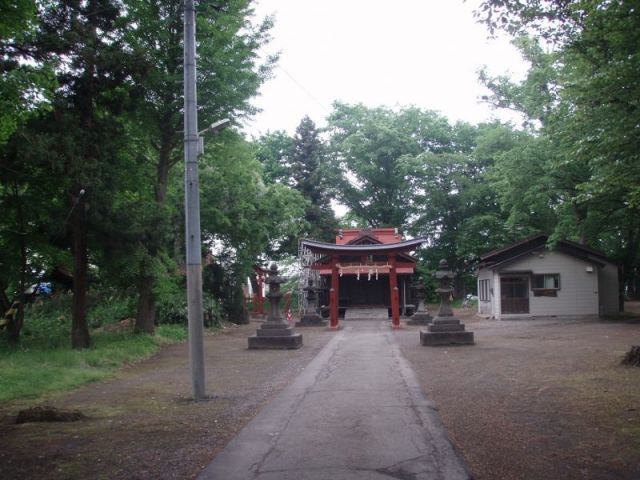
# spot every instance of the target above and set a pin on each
(30, 372)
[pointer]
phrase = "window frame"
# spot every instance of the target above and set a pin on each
(484, 290)
(545, 291)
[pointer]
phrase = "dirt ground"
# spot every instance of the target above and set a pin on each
(542, 399)
(537, 399)
(142, 424)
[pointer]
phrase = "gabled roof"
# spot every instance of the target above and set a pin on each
(364, 239)
(403, 246)
(516, 250)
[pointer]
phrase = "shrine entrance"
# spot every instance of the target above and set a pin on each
(364, 268)
(360, 292)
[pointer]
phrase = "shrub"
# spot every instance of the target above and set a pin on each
(47, 323)
(110, 308)
(172, 309)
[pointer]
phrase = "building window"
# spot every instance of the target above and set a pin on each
(546, 285)
(483, 290)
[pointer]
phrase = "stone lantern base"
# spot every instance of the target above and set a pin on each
(311, 320)
(446, 331)
(275, 336)
(420, 318)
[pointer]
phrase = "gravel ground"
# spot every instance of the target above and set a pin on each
(142, 424)
(537, 399)
(542, 399)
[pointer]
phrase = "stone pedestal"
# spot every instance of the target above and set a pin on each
(445, 329)
(311, 319)
(445, 334)
(275, 337)
(421, 317)
(275, 333)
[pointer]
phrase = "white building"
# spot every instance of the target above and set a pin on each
(527, 279)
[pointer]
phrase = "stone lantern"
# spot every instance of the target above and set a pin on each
(421, 317)
(311, 318)
(445, 329)
(275, 333)
(444, 276)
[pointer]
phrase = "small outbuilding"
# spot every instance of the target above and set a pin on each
(529, 279)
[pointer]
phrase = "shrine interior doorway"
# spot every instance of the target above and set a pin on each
(364, 292)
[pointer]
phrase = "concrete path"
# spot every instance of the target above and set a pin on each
(356, 412)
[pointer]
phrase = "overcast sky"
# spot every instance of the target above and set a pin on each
(394, 53)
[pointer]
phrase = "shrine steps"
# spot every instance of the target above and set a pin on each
(366, 313)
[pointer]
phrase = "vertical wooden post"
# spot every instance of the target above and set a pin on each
(333, 293)
(261, 293)
(258, 295)
(395, 294)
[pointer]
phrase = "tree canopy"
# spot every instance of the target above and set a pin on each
(91, 143)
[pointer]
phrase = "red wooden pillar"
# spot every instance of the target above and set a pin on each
(395, 293)
(333, 293)
(258, 296)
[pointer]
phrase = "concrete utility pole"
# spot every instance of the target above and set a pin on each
(193, 147)
(192, 206)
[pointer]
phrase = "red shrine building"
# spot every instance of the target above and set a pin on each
(365, 268)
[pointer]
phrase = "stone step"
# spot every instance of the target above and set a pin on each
(446, 321)
(445, 338)
(366, 313)
(438, 327)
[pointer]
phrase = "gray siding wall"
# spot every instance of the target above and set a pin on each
(578, 294)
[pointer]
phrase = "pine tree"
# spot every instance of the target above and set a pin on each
(307, 168)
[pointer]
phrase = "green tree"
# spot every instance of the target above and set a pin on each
(83, 131)
(242, 217)
(453, 203)
(273, 150)
(308, 171)
(241, 213)
(26, 84)
(301, 163)
(229, 75)
(593, 120)
(366, 145)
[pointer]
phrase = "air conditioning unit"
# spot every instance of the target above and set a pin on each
(589, 269)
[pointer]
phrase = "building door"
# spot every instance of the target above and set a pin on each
(514, 294)
(365, 291)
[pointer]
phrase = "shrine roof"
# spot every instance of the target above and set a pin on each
(367, 235)
(402, 246)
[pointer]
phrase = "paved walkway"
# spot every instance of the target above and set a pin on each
(356, 412)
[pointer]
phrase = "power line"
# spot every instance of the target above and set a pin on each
(305, 90)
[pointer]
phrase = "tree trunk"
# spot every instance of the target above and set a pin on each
(146, 316)
(581, 212)
(146, 313)
(5, 303)
(15, 320)
(79, 328)
(162, 171)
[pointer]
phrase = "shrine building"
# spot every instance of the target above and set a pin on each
(365, 268)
